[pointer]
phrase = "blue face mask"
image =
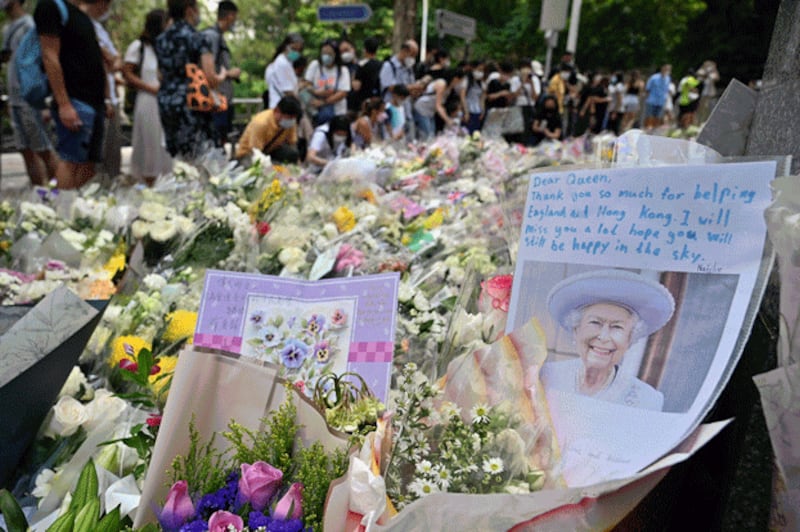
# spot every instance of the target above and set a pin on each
(327, 59)
(292, 55)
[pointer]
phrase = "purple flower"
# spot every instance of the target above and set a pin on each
(259, 483)
(257, 318)
(222, 499)
(257, 519)
(322, 352)
(293, 354)
(316, 324)
(200, 525)
(178, 508)
(292, 525)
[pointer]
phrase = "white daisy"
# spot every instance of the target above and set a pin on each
(479, 413)
(493, 466)
(424, 466)
(422, 487)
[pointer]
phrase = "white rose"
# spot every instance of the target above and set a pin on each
(139, 229)
(104, 406)
(486, 194)
(75, 381)
(293, 258)
(68, 415)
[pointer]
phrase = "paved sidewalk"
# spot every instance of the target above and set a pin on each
(13, 177)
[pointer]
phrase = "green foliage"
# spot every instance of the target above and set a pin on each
(203, 468)
(208, 247)
(12, 513)
(316, 469)
(86, 489)
(274, 445)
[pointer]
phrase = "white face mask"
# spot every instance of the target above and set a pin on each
(409, 62)
(286, 123)
(327, 59)
(478, 75)
(348, 57)
(105, 16)
(338, 140)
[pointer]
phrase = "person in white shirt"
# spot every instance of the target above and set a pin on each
(329, 141)
(279, 74)
(330, 83)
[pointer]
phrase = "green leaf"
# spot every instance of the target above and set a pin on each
(63, 523)
(9, 507)
(86, 520)
(110, 522)
(87, 488)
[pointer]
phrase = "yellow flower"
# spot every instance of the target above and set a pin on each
(167, 365)
(344, 219)
(434, 220)
(5, 245)
(180, 325)
(123, 345)
(273, 193)
(115, 264)
(368, 195)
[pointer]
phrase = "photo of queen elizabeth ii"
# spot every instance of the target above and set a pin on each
(637, 338)
(607, 311)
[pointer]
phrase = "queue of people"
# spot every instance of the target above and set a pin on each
(317, 105)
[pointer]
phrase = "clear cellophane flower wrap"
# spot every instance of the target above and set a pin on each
(780, 388)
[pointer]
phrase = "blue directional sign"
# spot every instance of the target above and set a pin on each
(345, 14)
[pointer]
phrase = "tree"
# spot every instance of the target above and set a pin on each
(405, 17)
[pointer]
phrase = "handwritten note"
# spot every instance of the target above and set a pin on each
(676, 218)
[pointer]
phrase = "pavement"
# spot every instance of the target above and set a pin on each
(14, 178)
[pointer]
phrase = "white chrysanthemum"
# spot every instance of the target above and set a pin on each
(139, 229)
(476, 443)
(185, 225)
(422, 487)
(153, 211)
(44, 482)
(449, 409)
(493, 466)
(293, 258)
(424, 466)
(405, 292)
(442, 477)
(74, 237)
(163, 230)
(154, 282)
(421, 302)
(479, 413)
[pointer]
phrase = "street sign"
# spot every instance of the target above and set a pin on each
(449, 23)
(554, 15)
(344, 14)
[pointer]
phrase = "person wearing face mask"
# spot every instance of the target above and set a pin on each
(330, 83)
(347, 56)
(279, 75)
(328, 142)
(274, 132)
(474, 97)
(188, 133)
(366, 81)
(227, 13)
(522, 85)
(433, 103)
(399, 70)
(547, 125)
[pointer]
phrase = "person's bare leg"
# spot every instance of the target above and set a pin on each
(35, 167)
(71, 175)
(50, 162)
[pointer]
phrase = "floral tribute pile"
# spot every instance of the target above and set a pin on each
(445, 215)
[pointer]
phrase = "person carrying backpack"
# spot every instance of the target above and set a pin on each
(30, 134)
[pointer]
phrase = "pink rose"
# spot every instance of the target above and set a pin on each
(496, 292)
(178, 508)
(259, 483)
(291, 505)
(220, 521)
(347, 257)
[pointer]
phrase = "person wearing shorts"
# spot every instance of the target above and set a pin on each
(30, 133)
(657, 93)
(74, 66)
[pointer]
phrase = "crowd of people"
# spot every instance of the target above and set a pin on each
(318, 103)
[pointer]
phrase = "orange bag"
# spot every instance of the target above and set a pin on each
(201, 97)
